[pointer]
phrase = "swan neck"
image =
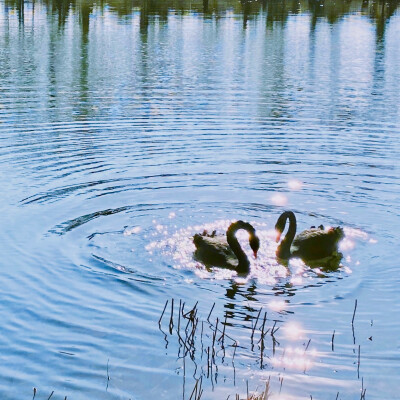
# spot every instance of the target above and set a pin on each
(292, 228)
(284, 247)
(244, 263)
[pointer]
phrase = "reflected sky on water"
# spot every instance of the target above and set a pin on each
(127, 127)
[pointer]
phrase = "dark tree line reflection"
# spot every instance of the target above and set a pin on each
(275, 11)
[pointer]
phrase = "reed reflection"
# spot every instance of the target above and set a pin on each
(84, 17)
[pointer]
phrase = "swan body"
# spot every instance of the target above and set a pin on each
(225, 251)
(314, 244)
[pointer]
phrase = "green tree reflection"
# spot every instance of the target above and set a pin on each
(274, 10)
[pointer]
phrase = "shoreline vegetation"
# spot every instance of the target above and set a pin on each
(205, 346)
(210, 345)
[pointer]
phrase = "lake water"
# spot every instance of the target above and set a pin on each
(126, 128)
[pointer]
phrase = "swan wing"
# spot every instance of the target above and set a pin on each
(316, 243)
(214, 251)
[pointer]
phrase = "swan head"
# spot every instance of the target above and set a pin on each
(254, 244)
(254, 241)
(280, 225)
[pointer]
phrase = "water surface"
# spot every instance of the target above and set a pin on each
(126, 128)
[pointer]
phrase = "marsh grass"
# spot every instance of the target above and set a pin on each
(265, 395)
(209, 345)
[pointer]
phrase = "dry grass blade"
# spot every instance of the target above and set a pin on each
(265, 395)
(354, 312)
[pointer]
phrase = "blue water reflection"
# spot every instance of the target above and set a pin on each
(127, 128)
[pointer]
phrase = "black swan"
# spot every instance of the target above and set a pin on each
(226, 252)
(310, 245)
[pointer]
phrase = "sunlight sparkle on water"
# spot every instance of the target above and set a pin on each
(295, 184)
(279, 199)
(159, 227)
(318, 271)
(277, 305)
(297, 264)
(296, 280)
(131, 231)
(179, 247)
(296, 358)
(347, 270)
(346, 244)
(355, 233)
(293, 331)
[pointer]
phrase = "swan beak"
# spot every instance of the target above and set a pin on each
(278, 236)
(255, 254)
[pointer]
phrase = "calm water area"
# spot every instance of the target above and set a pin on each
(126, 127)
